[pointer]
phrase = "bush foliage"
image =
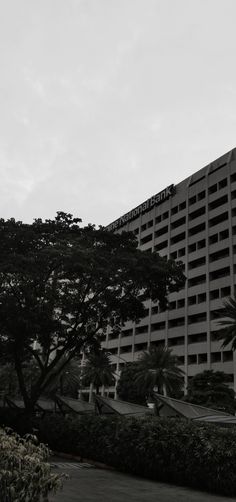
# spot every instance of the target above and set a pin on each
(25, 474)
(170, 450)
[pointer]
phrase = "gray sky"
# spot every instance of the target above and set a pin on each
(106, 102)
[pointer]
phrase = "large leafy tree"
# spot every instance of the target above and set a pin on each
(158, 368)
(209, 388)
(61, 285)
(127, 388)
(227, 333)
(98, 370)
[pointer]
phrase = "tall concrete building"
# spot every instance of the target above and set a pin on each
(195, 222)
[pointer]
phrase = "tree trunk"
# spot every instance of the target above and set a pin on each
(22, 386)
(91, 392)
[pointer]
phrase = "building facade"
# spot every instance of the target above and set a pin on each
(195, 222)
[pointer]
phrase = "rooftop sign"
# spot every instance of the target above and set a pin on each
(143, 208)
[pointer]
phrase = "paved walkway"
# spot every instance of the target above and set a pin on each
(89, 484)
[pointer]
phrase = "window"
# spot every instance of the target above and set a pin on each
(214, 336)
(212, 188)
(214, 294)
(150, 224)
(201, 195)
(201, 297)
(165, 215)
(217, 274)
(218, 202)
(127, 348)
(192, 359)
(178, 223)
(173, 255)
(233, 177)
(175, 323)
(198, 228)
(161, 246)
(218, 219)
(192, 247)
(227, 356)
(136, 231)
(141, 329)
(174, 210)
(192, 200)
(223, 183)
(202, 358)
(146, 239)
(197, 263)
(225, 291)
(143, 227)
(233, 195)
(162, 231)
(157, 326)
(215, 357)
(172, 305)
(158, 219)
(178, 238)
(192, 300)
(182, 206)
(201, 317)
(180, 360)
(224, 234)
(213, 239)
(181, 303)
(195, 281)
(223, 253)
(179, 340)
(197, 338)
(158, 343)
(197, 213)
(181, 252)
(201, 244)
(140, 346)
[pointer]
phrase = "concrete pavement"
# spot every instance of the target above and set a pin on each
(90, 484)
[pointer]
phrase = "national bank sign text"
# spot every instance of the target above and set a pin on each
(143, 208)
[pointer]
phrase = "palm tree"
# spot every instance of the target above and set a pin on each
(159, 368)
(97, 370)
(228, 321)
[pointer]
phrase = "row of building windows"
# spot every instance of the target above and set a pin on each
(195, 246)
(201, 358)
(178, 340)
(192, 200)
(176, 322)
(201, 227)
(176, 305)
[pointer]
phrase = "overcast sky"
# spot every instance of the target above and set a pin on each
(106, 102)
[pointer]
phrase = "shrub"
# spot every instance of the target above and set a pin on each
(25, 475)
(176, 451)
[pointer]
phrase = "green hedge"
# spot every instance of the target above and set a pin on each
(175, 451)
(25, 474)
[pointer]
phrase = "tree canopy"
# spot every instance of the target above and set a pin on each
(159, 368)
(210, 389)
(62, 285)
(98, 370)
(127, 388)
